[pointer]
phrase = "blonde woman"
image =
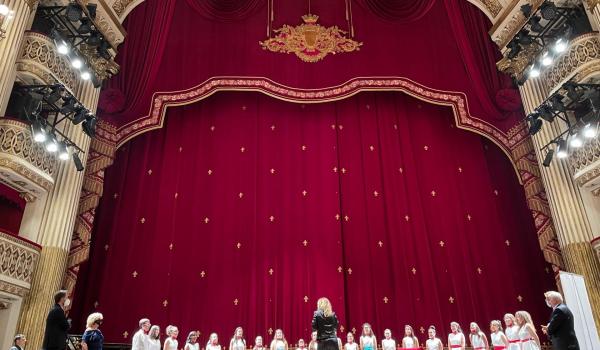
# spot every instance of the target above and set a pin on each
(456, 339)
(387, 343)
(499, 339)
(191, 343)
(477, 337)
(350, 343)
(301, 345)
(313, 344)
(92, 338)
(527, 334)
(258, 343)
(154, 338)
(213, 342)
(433, 343)
(171, 341)
(325, 322)
(368, 341)
(512, 332)
(237, 341)
(279, 342)
(409, 341)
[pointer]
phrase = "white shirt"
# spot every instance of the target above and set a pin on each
(139, 341)
(388, 344)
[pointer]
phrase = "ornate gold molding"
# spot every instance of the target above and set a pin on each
(24, 163)
(18, 259)
(38, 57)
(517, 65)
(504, 30)
(494, 7)
(585, 162)
(119, 6)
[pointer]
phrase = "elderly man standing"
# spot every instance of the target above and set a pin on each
(140, 341)
(560, 329)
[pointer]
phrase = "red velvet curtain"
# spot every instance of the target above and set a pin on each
(12, 207)
(226, 10)
(400, 11)
(243, 210)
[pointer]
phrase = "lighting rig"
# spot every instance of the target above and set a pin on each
(578, 106)
(546, 33)
(73, 30)
(45, 107)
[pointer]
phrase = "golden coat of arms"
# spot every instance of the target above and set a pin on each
(310, 41)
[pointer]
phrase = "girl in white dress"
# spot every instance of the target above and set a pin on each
(527, 334)
(340, 344)
(350, 345)
(192, 341)
(456, 339)
(477, 337)
(258, 343)
(499, 340)
(313, 344)
(171, 341)
(409, 341)
(388, 343)
(512, 332)
(367, 339)
(154, 338)
(279, 342)
(301, 345)
(213, 342)
(237, 341)
(433, 343)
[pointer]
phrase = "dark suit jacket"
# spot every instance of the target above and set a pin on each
(55, 336)
(561, 329)
(326, 327)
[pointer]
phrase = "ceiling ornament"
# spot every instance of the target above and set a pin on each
(310, 41)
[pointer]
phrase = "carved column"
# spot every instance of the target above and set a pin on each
(22, 15)
(55, 231)
(566, 204)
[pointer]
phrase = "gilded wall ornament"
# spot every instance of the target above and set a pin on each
(310, 41)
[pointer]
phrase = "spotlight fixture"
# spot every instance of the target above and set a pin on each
(79, 115)
(557, 103)
(68, 106)
(549, 11)
(546, 113)
(76, 63)
(548, 158)
(77, 161)
(89, 125)
(62, 48)
(546, 59)
(63, 152)
(535, 123)
(526, 10)
(4, 10)
(39, 134)
(55, 94)
(560, 46)
(103, 50)
(561, 149)
(51, 144)
(524, 38)
(575, 141)
(572, 93)
(534, 72)
(590, 130)
(94, 39)
(85, 75)
(85, 27)
(534, 24)
(74, 12)
(91, 8)
(514, 49)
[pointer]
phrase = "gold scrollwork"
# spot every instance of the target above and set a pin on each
(17, 258)
(310, 41)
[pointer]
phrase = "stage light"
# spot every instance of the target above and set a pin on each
(549, 11)
(74, 12)
(103, 50)
(89, 126)
(51, 144)
(546, 113)
(534, 72)
(534, 24)
(39, 134)
(561, 150)
(523, 37)
(575, 141)
(557, 103)
(85, 27)
(76, 63)
(77, 161)
(85, 75)
(548, 158)
(94, 39)
(91, 8)
(68, 106)
(590, 131)
(572, 93)
(560, 46)
(4, 10)
(546, 59)
(526, 10)
(55, 94)
(63, 152)
(80, 115)
(514, 49)
(535, 123)
(62, 48)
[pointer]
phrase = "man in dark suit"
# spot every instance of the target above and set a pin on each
(560, 329)
(57, 325)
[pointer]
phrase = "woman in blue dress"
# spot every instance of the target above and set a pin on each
(92, 338)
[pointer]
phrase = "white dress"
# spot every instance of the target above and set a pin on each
(139, 341)
(213, 347)
(477, 342)
(408, 342)
(237, 344)
(433, 344)
(171, 344)
(388, 344)
(367, 341)
(497, 338)
(512, 334)
(153, 344)
(191, 346)
(353, 346)
(279, 345)
(527, 342)
(455, 341)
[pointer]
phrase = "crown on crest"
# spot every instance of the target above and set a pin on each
(310, 19)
